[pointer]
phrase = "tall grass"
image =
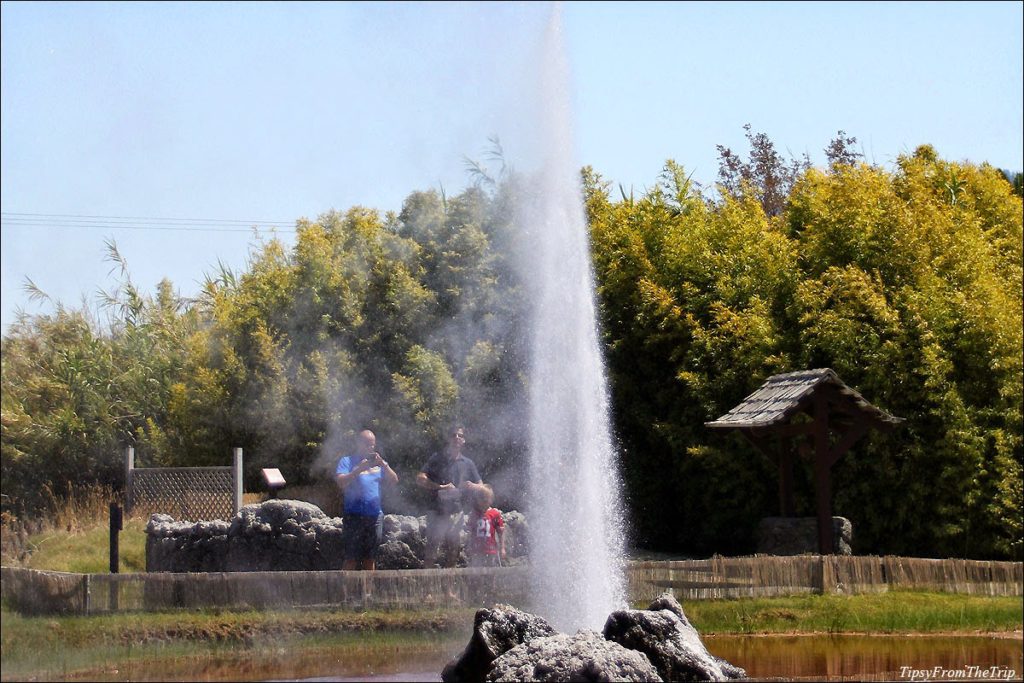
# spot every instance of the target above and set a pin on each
(83, 509)
(72, 533)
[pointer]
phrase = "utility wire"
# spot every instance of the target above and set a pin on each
(41, 220)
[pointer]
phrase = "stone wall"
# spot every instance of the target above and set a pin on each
(799, 535)
(290, 535)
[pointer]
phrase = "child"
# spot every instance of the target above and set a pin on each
(486, 528)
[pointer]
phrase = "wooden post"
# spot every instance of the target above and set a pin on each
(237, 476)
(115, 527)
(787, 508)
(86, 596)
(129, 478)
(822, 474)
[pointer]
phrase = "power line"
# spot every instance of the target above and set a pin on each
(42, 220)
(142, 218)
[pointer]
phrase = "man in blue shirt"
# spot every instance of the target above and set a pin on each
(359, 476)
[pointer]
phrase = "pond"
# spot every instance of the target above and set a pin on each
(865, 657)
(420, 658)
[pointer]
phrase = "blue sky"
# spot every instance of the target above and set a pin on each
(219, 116)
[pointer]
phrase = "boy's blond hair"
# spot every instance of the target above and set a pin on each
(483, 494)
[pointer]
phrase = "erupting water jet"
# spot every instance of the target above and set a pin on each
(576, 526)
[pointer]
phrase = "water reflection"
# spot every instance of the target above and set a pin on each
(414, 658)
(420, 658)
(868, 657)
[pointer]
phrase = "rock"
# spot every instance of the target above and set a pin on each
(586, 656)
(292, 535)
(412, 531)
(495, 632)
(397, 555)
(516, 534)
(730, 670)
(669, 602)
(273, 514)
(799, 535)
(666, 637)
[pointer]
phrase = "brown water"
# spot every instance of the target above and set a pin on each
(833, 658)
(883, 657)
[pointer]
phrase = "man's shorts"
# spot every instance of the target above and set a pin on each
(442, 527)
(360, 535)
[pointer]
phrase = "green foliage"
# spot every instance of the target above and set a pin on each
(75, 392)
(908, 282)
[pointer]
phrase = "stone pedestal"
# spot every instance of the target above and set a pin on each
(799, 536)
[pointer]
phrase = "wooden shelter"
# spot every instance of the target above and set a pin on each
(811, 413)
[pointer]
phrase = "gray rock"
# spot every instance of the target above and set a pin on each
(517, 542)
(669, 602)
(585, 656)
(668, 640)
(272, 514)
(799, 536)
(397, 555)
(412, 531)
(282, 535)
(495, 632)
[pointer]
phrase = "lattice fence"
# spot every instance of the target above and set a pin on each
(184, 493)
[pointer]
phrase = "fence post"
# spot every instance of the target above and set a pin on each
(237, 475)
(129, 479)
(86, 596)
(116, 525)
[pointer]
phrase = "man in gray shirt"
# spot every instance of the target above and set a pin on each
(447, 475)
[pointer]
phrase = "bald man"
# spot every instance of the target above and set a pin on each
(359, 476)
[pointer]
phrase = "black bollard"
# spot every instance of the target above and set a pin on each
(115, 527)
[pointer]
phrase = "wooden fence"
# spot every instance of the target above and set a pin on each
(42, 592)
(769, 575)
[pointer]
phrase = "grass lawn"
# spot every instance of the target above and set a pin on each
(88, 551)
(891, 612)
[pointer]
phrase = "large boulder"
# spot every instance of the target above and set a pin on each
(495, 632)
(585, 656)
(637, 645)
(670, 642)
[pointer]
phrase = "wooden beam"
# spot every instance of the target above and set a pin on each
(787, 507)
(822, 474)
(784, 430)
(852, 435)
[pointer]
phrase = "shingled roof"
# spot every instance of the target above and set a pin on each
(782, 396)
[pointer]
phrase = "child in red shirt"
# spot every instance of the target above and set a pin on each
(486, 528)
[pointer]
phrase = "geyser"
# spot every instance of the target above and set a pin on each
(576, 518)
